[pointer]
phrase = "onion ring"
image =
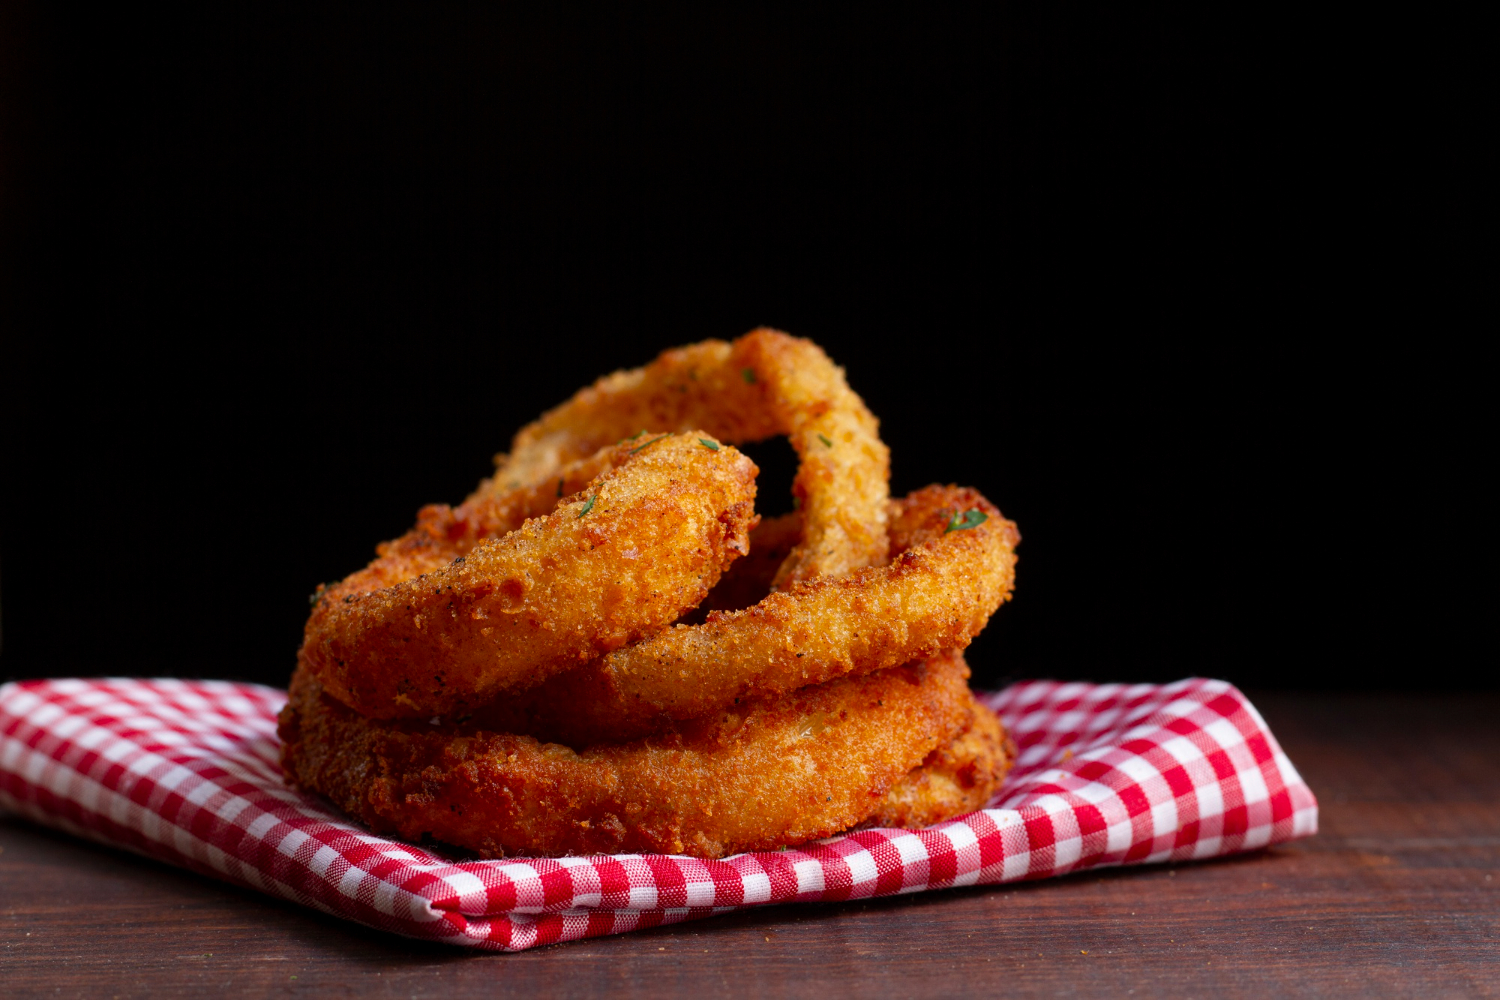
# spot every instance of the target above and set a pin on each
(820, 686)
(443, 533)
(954, 779)
(769, 773)
(642, 544)
(955, 566)
(763, 384)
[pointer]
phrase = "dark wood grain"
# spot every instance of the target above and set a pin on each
(1399, 895)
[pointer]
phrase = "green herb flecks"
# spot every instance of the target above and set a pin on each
(559, 486)
(710, 445)
(588, 506)
(648, 443)
(632, 437)
(969, 519)
(748, 374)
(826, 443)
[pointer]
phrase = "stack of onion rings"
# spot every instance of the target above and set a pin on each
(555, 667)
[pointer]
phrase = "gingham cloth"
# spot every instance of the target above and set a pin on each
(186, 772)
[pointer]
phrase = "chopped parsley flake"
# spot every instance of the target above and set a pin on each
(648, 443)
(748, 374)
(588, 506)
(826, 443)
(970, 519)
(711, 446)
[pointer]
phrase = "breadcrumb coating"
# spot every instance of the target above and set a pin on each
(642, 543)
(766, 773)
(937, 593)
(763, 384)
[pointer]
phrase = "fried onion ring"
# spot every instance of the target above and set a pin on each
(954, 566)
(506, 676)
(768, 773)
(763, 384)
(443, 533)
(640, 545)
(954, 779)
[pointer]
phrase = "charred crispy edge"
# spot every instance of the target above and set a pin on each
(643, 688)
(370, 656)
(498, 793)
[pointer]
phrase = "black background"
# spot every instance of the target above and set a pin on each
(277, 277)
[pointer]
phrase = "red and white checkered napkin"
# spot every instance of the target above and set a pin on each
(186, 771)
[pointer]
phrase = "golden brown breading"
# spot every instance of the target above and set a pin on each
(443, 533)
(937, 594)
(750, 578)
(643, 543)
(761, 385)
(763, 774)
(954, 779)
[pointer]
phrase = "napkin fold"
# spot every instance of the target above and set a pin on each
(186, 772)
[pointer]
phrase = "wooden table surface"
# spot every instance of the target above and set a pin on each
(1398, 895)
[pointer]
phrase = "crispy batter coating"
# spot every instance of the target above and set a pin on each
(954, 779)
(751, 577)
(443, 533)
(936, 594)
(640, 545)
(763, 774)
(761, 385)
